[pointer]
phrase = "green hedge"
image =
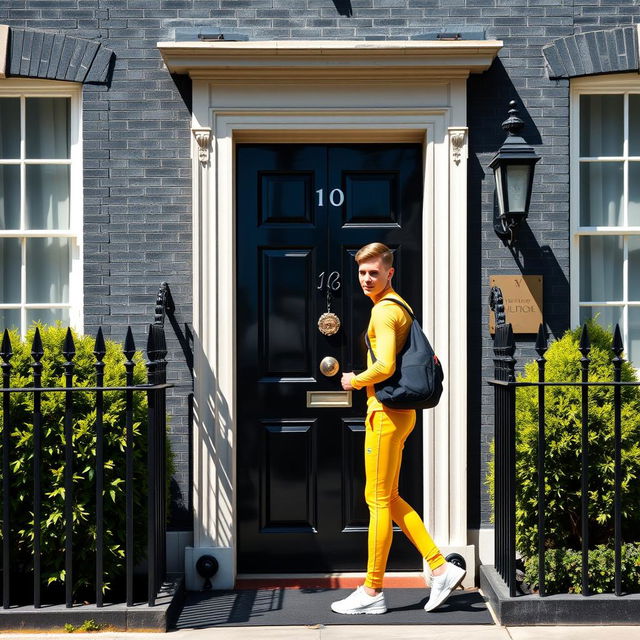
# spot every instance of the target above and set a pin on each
(563, 448)
(563, 569)
(84, 445)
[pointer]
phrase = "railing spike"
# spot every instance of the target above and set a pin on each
(99, 350)
(156, 343)
(129, 345)
(69, 348)
(37, 351)
(585, 342)
(6, 352)
(161, 342)
(510, 341)
(501, 336)
(541, 341)
(617, 347)
(151, 343)
(164, 304)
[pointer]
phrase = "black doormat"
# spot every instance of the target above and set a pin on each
(299, 607)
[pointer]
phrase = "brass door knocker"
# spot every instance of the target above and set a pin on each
(329, 323)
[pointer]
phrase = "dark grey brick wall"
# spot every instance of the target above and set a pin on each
(137, 168)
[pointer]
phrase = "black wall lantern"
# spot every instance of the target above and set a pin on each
(513, 168)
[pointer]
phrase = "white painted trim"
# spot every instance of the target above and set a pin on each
(382, 61)
(257, 109)
(26, 87)
(605, 84)
(574, 203)
(4, 49)
(76, 194)
(484, 542)
(38, 87)
(458, 348)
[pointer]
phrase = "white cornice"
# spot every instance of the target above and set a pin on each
(329, 60)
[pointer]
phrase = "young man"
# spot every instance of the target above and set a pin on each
(386, 431)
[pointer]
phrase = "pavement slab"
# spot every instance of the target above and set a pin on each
(631, 632)
(359, 632)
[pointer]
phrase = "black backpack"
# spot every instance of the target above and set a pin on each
(417, 380)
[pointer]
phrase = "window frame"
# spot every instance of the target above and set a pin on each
(33, 88)
(625, 84)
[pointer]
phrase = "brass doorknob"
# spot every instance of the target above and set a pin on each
(329, 366)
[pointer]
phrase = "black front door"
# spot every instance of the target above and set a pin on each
(303, 210)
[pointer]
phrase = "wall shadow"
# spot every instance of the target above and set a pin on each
(343, 7)
(488, 96)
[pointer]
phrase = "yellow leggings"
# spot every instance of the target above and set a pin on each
(384, 441)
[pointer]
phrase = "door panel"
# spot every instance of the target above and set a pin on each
(302, 213)
(285, 314)
(371, 197)
(288, 477)
(355, 510)
(286, 197)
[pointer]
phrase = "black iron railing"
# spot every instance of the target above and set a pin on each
(505, 386)
(155, 482)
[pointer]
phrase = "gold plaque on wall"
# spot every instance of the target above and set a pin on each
(522, 297)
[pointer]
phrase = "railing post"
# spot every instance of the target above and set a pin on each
(6, 353)
(585, 347)
(541, 348)
(617, 349)
(505, 453)
(99, 352)
(37, 353)
(69, 352)
(129, 351)
(156, 458)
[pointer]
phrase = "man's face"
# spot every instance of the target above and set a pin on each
(374, 277)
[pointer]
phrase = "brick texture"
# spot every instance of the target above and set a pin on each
(138, 176)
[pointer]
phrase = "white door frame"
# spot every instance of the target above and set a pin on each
(259, 102)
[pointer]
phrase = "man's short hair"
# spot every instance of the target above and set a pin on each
(374, 251)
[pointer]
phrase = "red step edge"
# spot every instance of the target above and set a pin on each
(328, 582)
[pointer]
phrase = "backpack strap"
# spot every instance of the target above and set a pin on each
(404, 306)
(368, 343)
(366, 333)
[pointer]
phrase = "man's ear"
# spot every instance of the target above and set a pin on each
(391, 272)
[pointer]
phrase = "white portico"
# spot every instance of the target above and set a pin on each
(326, 91)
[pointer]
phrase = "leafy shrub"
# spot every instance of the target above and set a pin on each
(84, 447)
(563, 448)
(563, 569)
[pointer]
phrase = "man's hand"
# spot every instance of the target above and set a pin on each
(346, 380)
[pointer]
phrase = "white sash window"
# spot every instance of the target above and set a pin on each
(605, 204)
(40, 204)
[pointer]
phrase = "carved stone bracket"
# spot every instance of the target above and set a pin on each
(203, 137)
(457, 137)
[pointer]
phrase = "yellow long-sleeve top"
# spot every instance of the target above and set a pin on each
(388, 330)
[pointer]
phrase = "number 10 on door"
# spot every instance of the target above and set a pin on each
(336, 197)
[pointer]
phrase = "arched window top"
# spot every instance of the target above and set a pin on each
(55, 56)
(593, 52)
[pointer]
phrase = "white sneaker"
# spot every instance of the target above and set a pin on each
(361, 602)
(443, 585)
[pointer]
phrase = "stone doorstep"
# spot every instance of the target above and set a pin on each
(116, 617)
(558, 609)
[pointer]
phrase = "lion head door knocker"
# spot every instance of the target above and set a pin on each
(329, 323)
